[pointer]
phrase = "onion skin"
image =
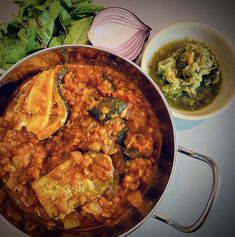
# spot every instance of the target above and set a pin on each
(120, 31)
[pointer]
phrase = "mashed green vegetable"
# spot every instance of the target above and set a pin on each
(189, 76)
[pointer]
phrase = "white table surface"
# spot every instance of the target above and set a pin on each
(190, 186)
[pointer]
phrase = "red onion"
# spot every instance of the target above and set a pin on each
(119, 31)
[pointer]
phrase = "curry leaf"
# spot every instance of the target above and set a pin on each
(78, 31)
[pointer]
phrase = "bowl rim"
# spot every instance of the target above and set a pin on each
(181, 25)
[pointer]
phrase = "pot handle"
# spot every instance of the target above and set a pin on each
(214, 190)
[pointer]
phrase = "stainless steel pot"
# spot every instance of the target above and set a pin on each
(167, 161)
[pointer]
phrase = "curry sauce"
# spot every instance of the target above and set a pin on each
(76, 148)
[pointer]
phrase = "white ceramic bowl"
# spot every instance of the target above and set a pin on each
(224, 52)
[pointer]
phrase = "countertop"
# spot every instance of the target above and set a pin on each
(191, 183)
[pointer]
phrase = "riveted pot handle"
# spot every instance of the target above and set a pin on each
(215, 184)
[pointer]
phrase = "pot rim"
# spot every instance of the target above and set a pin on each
(12, 68)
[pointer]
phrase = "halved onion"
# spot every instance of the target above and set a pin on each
(119, 31)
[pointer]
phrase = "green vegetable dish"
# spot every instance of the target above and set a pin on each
(187, 73)
(40, 24)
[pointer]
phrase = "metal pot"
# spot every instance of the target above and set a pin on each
(167, 161)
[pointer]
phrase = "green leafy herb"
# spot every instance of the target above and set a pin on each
(85, 8)
(67, 3)
(28, 39)
(45, 32)
(12, 51)
(45, 23)
(78, 32)
(65, 19)
(13, 28)
(56, 40)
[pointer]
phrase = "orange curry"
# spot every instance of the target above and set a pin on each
(78, 146)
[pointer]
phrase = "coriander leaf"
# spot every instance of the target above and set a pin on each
(78, 31)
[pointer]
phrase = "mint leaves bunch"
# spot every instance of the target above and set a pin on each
(45, 23)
